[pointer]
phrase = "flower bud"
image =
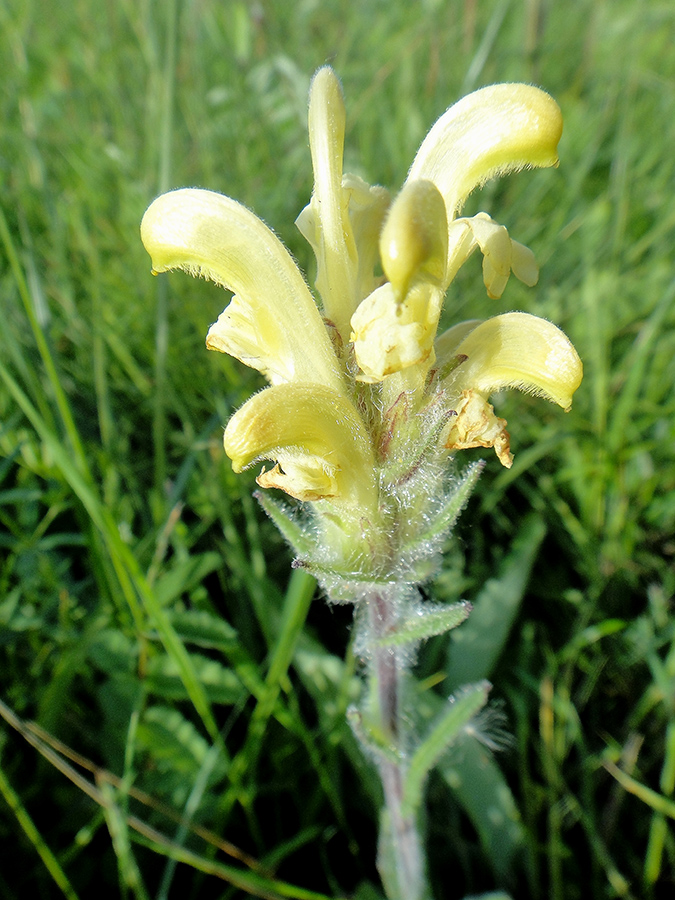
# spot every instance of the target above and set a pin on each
(414, 240)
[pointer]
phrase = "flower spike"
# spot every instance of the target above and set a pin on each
(382, 272)
(367, 405)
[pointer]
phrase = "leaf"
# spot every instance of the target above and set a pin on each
(428, 621)
(459, 710)
(476, 647)
(113, 652)
(289, 522)
(170, 737)
(493, 895)
(480, 787)
(132, 583)
(220, 684)
(368, 891)
(129, 874)
(49, 859)
(635, 365)
(455, 502)
(185, 575)
(202, 628)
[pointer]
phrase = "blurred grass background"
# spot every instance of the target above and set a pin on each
(147, 616)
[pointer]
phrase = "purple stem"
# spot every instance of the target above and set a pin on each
(388, 668)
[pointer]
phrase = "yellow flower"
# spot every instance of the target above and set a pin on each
(515, 350)
(272, 322)
(332, 372)
(306, 421)
(316, 437)
(493, 131)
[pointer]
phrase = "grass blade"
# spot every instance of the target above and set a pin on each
(28, 827)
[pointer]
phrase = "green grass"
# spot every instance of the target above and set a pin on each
(148, 619)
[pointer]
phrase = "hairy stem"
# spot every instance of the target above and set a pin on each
(401, 859)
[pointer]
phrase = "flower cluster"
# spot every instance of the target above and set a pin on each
(367, 402)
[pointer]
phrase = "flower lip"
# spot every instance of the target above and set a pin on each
(316, 437)
(518, 350)
(492, 131)
(272, 323)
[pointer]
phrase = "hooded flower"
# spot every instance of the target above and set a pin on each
(335, 364)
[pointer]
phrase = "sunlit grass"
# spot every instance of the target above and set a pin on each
(148, 617)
